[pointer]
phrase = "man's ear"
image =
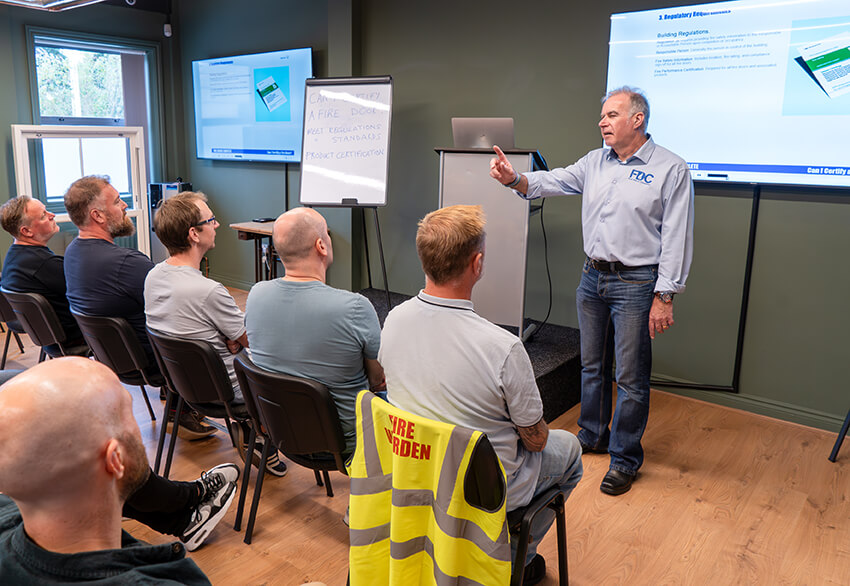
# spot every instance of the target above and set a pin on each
(478, 263)
(96, 215)
(25, 231)
(114, 459)
(638, 119)
(321, 247)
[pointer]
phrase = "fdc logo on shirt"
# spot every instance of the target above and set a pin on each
(640, 176)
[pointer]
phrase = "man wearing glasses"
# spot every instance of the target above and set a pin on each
(180, 301)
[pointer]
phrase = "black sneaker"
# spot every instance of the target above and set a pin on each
(218, 489)
(191, 425)
(274, 465)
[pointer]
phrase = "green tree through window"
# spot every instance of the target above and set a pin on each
(77, 83)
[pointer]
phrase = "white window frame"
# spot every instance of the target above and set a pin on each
(21, 133)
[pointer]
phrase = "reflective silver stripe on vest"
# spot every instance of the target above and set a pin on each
(400, 551)
(369, 536)
(370, 446)
(455, 527)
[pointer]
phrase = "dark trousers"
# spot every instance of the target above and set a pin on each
(163, 505)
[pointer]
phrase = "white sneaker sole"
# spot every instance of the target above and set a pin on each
(201, 534)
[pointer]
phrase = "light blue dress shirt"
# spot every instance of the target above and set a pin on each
(638, 212)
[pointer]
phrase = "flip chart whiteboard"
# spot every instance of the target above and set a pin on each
(346, 141)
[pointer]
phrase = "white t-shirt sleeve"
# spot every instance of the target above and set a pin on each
(521, 393)
(222, 311)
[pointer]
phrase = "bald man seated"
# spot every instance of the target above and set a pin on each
(60, 520)
(300, 326)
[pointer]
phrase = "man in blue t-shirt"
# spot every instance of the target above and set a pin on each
(300, 326)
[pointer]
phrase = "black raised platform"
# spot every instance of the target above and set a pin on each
(554, 352)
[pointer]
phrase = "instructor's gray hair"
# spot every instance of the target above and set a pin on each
(637, 99)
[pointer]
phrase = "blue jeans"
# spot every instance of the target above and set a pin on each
(613, 317)
(560, 465)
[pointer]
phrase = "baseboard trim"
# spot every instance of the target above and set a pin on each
(763, 406)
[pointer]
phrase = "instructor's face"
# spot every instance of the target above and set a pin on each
(619, 128)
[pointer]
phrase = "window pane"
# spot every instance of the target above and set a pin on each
(62, 165)
(78, 83)
(108, 156)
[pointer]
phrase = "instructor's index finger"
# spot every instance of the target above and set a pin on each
(499, 152)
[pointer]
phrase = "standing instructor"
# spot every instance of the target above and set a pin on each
(637, 223)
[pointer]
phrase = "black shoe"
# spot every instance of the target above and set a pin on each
(616, 482)
(535, 571)
(585, 449)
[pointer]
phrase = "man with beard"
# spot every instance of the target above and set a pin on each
(105, 279)
(60, 520)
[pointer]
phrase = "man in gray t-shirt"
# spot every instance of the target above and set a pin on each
(300, 326)
(445, 362)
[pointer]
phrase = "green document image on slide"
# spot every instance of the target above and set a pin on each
(272, 96)
(818, 78)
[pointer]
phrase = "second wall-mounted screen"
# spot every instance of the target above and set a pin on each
(251, 107)
(745, 91)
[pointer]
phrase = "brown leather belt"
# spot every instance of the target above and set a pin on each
(609, 266)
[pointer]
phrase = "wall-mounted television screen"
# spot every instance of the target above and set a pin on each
(251, 107)
(745, 91)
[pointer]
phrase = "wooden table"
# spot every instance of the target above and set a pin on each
(265, 257)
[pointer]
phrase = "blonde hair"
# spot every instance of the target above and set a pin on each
(446, 240)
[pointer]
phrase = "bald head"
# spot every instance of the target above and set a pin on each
(63, 412)
(296, 233)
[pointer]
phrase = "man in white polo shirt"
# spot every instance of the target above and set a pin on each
(445, 362)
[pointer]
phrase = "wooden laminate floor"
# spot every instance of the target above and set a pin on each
(725, 497)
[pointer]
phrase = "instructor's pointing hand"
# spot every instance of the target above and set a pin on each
(500, 169)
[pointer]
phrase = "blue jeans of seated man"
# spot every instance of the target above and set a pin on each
(561, 466)
(613, 317)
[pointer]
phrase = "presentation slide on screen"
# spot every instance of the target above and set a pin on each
(251, 106)
(746, 90)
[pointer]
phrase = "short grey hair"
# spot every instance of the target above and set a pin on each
(637, 99)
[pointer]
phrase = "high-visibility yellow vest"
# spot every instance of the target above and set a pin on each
(410, 522)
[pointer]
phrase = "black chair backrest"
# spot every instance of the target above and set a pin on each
(36, 316)
(484, 485)
(299, 414)
(193, 368)
(8, 315)
(113, 342)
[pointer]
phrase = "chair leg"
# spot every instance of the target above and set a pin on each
(18, 340)
(328, 486)
(563, 561)
(169, 401)
(246, 474)
(318, 478)
(521, 551)
(6, 349)
(258, 489)
(174, 429)
(840, 439)
(42, 355)
(147, 402)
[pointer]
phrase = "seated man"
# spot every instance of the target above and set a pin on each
(106, 279)
(60, 521)
(298, 325)
(180, 301)
(30, 266)
(445, 362)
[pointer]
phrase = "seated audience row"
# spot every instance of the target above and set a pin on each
(442, 360)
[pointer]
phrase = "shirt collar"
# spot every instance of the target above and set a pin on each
(447, 303)
(643, 154)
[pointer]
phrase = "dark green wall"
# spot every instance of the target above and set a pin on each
(544, 64)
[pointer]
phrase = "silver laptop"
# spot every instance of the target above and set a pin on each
(483, 133)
